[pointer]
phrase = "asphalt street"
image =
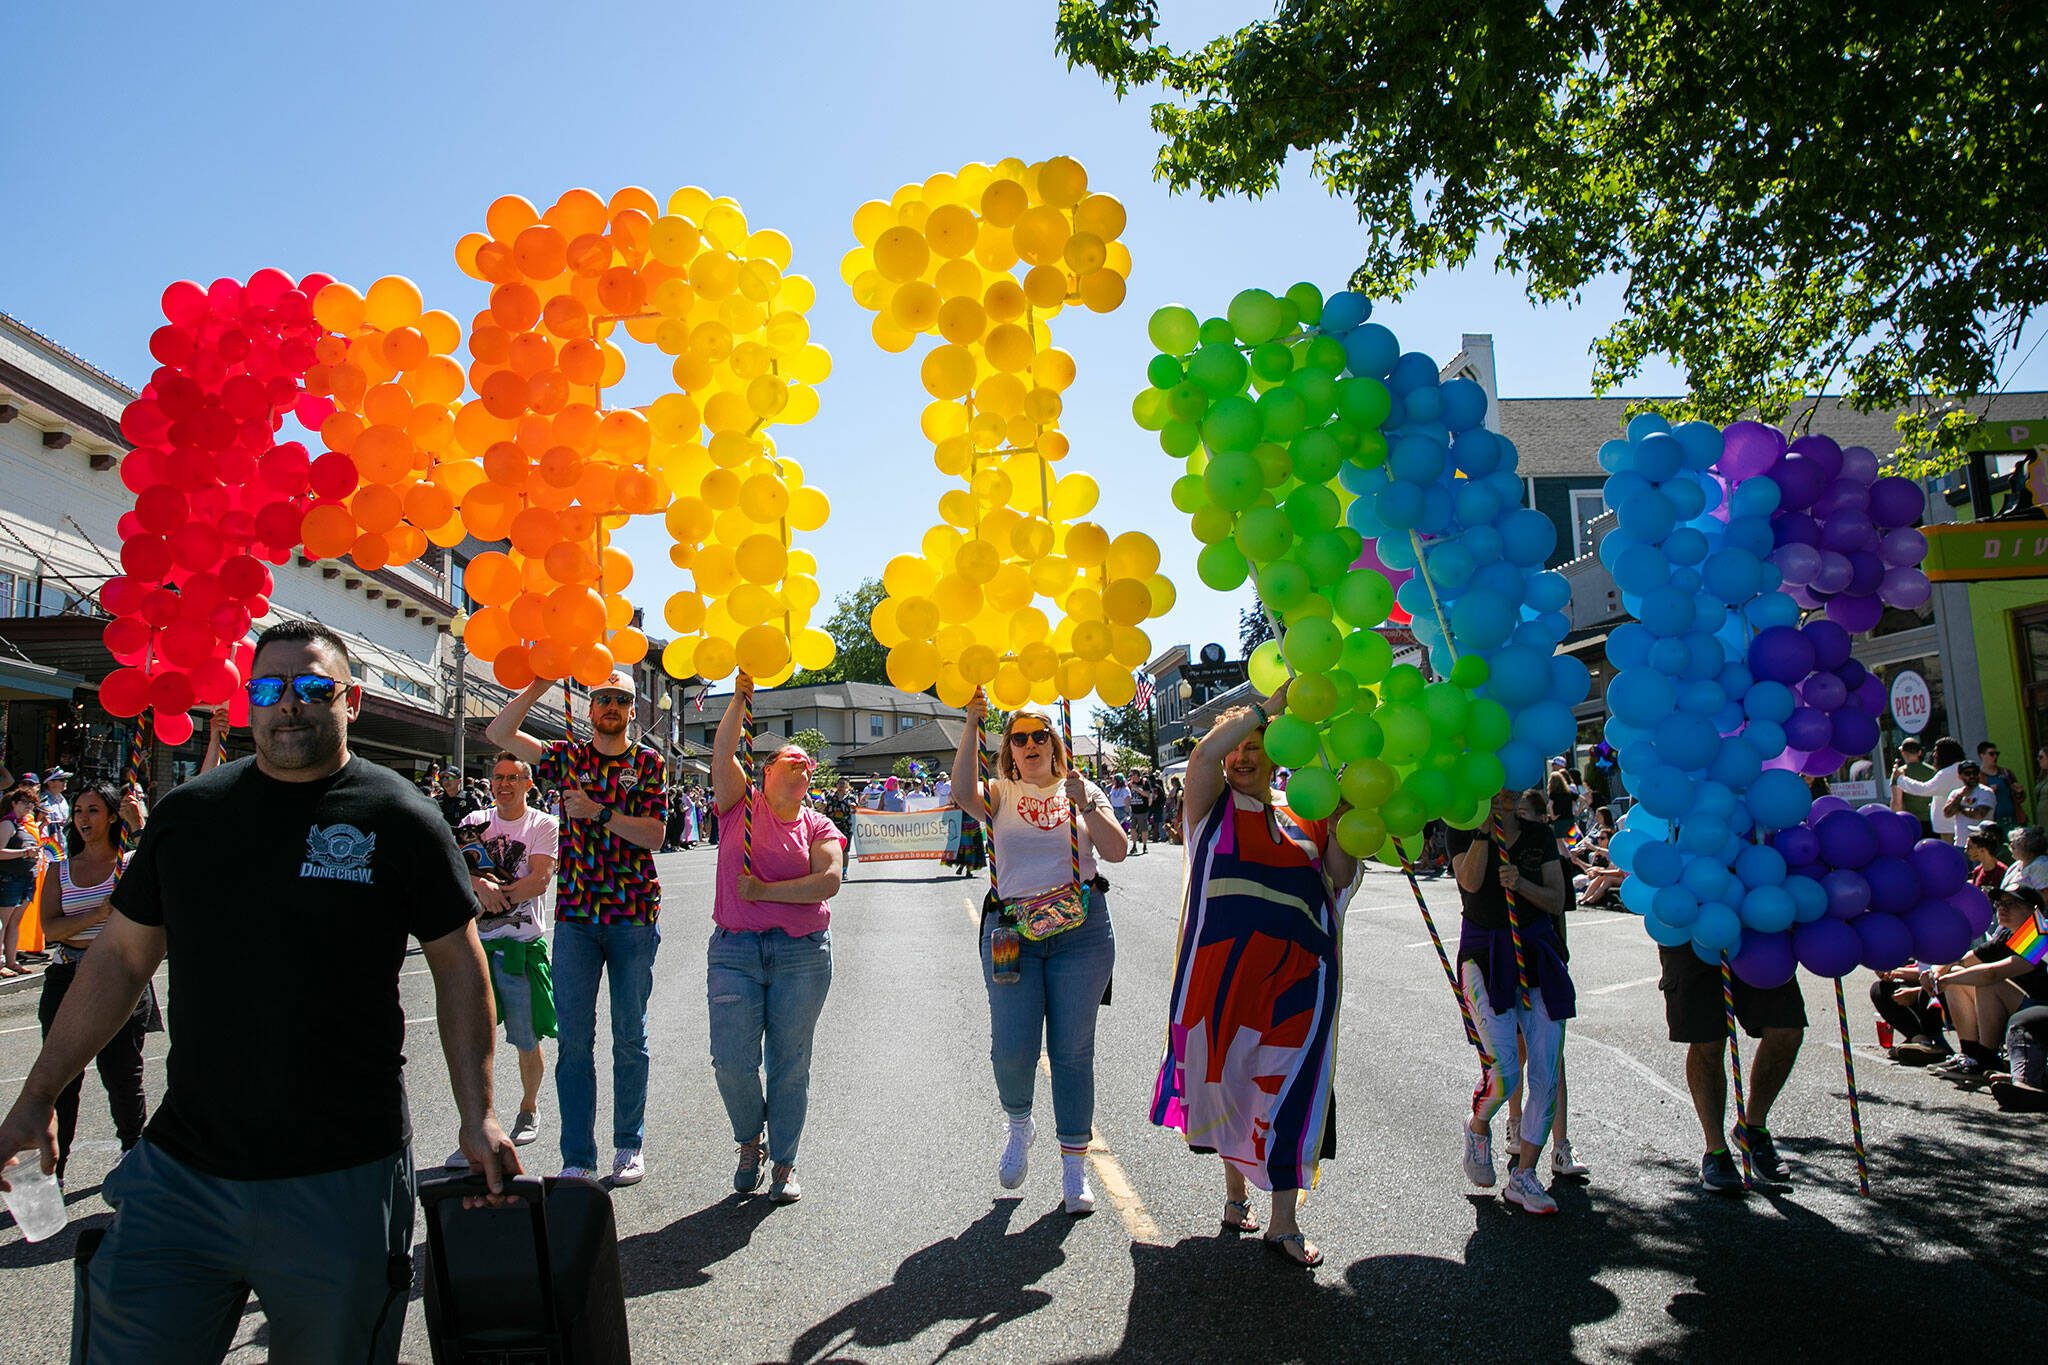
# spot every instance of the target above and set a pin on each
(904, 1247)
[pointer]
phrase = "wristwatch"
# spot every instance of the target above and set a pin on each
(604, 815)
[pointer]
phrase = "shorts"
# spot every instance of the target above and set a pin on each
(1693, 1009)
(515, 1002)
(1141, 825)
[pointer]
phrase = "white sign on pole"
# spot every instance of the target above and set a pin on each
(1912, 702)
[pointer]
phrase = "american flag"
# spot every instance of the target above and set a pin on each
(1144, 681)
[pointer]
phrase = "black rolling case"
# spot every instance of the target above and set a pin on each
(531, 1283)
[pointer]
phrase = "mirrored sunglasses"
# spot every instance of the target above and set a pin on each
(611, 699)
(311, 688)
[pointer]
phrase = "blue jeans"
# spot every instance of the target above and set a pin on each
(766, 988)
(329, 1255)
(583, 950)
(1059, 988)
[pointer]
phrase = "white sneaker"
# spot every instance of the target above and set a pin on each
(1526, 1193)
(1511, 1135)
(575, 1173)
(525, 1127)
(1478, 1157)
(627, 1167)
(1074, 1188)
(456, 1161)
(1016, 1152)
(1565, 1164)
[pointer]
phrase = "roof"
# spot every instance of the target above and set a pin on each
(932, 737)
(839, 696)
(1560, 437)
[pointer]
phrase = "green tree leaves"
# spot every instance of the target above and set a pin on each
(1798, 198)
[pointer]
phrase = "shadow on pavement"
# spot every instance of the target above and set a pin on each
(1763, 1277)
(981, 1278)
(680, 1255)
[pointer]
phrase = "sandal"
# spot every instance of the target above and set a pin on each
(1306, 1257)
(1245, 1221)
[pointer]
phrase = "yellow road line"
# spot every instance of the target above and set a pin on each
(1123, 1196)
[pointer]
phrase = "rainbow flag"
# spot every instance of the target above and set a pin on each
(2030, 940)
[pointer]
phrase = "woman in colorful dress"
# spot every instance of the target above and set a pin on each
(20, 854)
(1251, 1043)
(1050, 987)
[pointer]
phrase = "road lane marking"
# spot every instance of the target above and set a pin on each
(1632, 1064)
(1623, 985)
(25, 1028)
(973, 911)
(1123, 1196)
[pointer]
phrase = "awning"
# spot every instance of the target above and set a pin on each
(21, 681)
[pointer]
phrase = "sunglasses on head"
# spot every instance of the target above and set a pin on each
(312, 689)
(1021, 738)
(611, 699)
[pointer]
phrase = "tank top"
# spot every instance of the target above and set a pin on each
(72, 898)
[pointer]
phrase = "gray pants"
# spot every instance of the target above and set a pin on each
(2026, 1039)
(328, 1255)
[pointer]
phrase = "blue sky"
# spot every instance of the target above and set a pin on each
(149, 143)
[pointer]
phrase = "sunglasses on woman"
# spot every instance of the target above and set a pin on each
(311, 688)
(1021, 738)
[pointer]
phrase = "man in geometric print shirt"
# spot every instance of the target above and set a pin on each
(607, 904)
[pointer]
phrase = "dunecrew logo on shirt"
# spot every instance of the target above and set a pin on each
(339, 853)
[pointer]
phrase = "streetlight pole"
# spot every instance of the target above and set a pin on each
(456, 625)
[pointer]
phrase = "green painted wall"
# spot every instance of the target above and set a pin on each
(1991, 608)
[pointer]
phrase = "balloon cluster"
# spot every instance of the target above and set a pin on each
(560, 472)
(1834, 701)
(1275, 433)
(1446, 504)
(388, 483)
(737, 324)
(941, 258)
(1871, 893)
(1844, 537)
(1692, 726)
(216, 493)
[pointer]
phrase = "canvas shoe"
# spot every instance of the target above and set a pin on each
(1016, 1152)
(525, 1128)
(1074, 1189)
(627, 1167)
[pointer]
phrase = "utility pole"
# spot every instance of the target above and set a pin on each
(456, 626)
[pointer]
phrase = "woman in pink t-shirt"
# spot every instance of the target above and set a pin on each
(771, 949)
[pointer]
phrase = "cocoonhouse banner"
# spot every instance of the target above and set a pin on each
(882, 835)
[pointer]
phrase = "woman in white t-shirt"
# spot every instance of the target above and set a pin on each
(1059, 981)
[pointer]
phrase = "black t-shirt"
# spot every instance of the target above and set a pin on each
(285, 908)
(1534, 847)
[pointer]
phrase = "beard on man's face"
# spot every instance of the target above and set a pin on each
(304, 738)
(611, 721)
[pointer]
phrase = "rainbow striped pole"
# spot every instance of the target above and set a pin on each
(988, 805)
(135, 768)
(1855, 1103)
(1073, 816)
(1735, 1069)
(747, 783)
(1514, 917)
(1472, 1035)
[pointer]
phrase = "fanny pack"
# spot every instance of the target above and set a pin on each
(1040, 916)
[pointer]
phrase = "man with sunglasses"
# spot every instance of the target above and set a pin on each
(283, 888)
(607, 907)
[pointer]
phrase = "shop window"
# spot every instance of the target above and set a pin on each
(14, 590)
(2033, 630)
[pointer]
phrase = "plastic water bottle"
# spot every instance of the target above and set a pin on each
(34, 1198)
